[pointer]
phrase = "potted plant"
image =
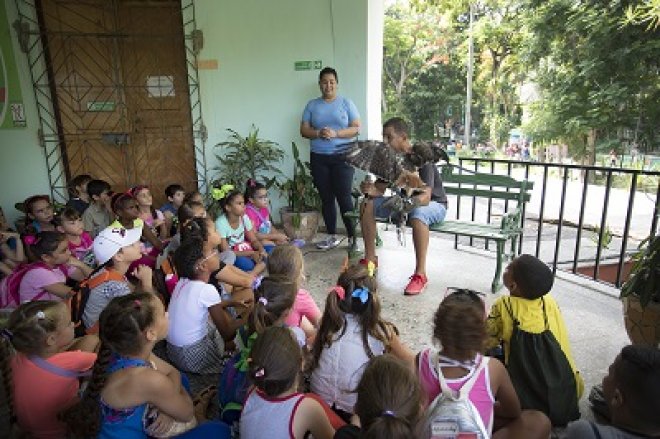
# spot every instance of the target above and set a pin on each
(240, 158)
(300, 218)
(641, 295)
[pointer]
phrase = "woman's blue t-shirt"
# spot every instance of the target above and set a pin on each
(337, 115)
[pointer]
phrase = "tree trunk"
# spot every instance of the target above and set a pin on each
(591, 146)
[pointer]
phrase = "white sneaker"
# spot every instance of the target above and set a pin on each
(330, 242)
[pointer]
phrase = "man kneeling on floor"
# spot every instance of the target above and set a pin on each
(431, 206)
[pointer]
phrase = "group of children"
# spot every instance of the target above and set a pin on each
(342, 372)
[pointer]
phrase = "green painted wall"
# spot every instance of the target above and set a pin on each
(22, 161)
(255, 43)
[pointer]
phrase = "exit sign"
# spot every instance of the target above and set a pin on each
(307, 65)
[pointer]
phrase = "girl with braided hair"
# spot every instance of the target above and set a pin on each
(132, 392)
(41, 364)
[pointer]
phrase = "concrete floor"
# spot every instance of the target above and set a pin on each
(592, 311)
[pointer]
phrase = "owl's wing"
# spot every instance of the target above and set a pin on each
(375, 157)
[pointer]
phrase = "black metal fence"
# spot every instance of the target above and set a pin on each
(579, 217)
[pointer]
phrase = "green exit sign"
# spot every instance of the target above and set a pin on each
(100, 106)
(307, 65)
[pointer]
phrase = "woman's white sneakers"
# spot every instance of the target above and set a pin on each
(330, 242)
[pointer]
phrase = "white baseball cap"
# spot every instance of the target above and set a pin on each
(113, 239)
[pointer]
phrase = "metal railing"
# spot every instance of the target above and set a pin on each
(617, 206)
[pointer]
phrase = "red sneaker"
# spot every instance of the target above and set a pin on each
(416, 285)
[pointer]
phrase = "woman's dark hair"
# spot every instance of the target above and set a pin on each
(273, 298)
(121, 325)
(226, 201)
(120, 200)
(251, 188)
(187, 211)
(533, 277)
(459, 324)
(25, 332)
(275, 361)
(46, 243)
(328, 71)
(187, 255)
(367, 314)
(388, 399)
(78, 180)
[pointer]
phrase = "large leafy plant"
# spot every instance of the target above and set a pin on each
(301, 194)
(240, 158)
(644, 282)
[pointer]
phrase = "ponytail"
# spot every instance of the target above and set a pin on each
(332, 322)
(272, 299)
(84, 419)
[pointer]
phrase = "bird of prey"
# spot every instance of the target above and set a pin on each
(399, 170)
(384, 162)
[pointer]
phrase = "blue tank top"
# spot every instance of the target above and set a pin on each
(123, 423)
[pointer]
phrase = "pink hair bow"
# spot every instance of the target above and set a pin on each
(339, 291)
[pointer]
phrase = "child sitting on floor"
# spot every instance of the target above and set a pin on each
(458, 327)
(274, 407)
(351, 332)
(631, 390)
(256, 209)
(79, 197)
(127, 210)
(99, 214)
(70, 223)
(44, 371)
(287, 260)
(132, 392)
(115, 249)
(39, 216)
(237, 232)
(46, 279)
(175, 193)
(11, 252)
(153, 218)
(389, 401)
(529, 312)
(195, 344)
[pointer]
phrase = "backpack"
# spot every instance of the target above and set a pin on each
(452, 415)
(10, 286)
(540, 372)
(80, 296)
(234, 384)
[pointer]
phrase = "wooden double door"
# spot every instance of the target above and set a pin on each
(119, 83)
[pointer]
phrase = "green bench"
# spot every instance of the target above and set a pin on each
(465, 183)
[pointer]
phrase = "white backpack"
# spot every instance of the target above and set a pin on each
(452, 415)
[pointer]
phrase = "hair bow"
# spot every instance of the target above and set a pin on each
(263, 301)
(339, 291)
(252, 182)
(260, 373)
(371, 268)
(361, 293)
(219, 194)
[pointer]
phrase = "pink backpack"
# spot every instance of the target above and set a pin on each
(10, 286)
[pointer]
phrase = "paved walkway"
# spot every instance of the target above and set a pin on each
(592, 312)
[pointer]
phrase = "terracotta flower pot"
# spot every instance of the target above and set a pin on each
(642, 324)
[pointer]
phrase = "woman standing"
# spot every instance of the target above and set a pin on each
(330, 122)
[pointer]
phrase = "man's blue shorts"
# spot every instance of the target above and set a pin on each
(432, 213)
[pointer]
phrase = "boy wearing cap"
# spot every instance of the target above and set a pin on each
(115, 248)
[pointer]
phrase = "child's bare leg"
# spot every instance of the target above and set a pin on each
(235, 276)
(258, 269)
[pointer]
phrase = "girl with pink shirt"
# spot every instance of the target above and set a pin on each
(287, 261)
(257, 210)
(153, 218)
(70, 223)
(460, 330)
(42, 365)
(46, 279)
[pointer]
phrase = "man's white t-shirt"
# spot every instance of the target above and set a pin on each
(189, 311)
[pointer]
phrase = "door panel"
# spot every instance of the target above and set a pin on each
(103, 55)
